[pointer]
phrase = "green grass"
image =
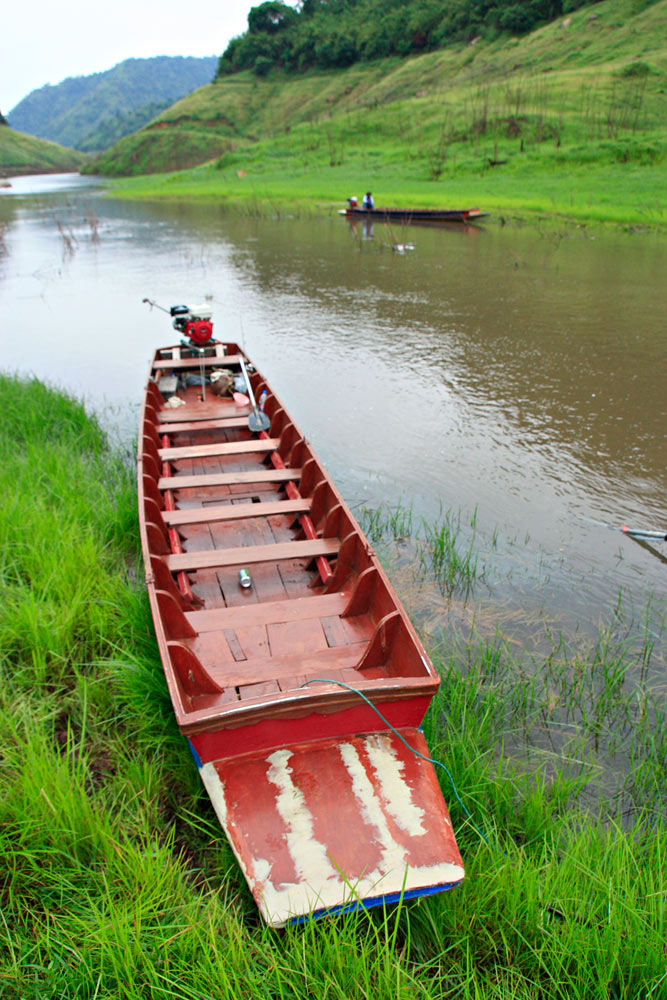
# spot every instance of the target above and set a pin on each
(24, 154)
(573, 117)
(115, 879)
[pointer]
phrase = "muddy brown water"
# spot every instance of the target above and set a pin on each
(512, 374)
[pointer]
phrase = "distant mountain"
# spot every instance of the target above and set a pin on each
(92, 112)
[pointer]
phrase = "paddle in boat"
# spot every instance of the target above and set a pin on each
(293, 670)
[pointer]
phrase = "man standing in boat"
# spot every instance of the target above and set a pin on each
(367, 201)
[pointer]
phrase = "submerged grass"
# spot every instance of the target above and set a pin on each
(444, 548)
(115, 878)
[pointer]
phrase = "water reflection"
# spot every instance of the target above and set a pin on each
(509, 371)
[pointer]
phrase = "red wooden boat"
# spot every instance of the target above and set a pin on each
(278, 685)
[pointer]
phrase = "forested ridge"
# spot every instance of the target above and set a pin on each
(91, 112)
(326, 34)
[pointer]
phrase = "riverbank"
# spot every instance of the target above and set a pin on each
(558, 191)
(117, 880)
(566, 123)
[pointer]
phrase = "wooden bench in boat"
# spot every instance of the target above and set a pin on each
(236, 512)
(248, 447)
(205, 424)
(228, 478)
(217, 361)
(249, 555)
(211, 410)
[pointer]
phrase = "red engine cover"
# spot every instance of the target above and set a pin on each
(199, 332)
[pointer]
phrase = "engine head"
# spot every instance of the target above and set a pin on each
(194, 322)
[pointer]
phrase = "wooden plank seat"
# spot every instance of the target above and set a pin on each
(169, 364)
(273, 668)
(210, 410)
(249, 446)
(250, 555)
(236, 511)
(228, 479)
(190, 426)
(270, 613)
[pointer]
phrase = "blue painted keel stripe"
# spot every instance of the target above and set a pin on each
(367, 904)
(195, 755)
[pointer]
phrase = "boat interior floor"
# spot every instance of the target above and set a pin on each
(227, 506)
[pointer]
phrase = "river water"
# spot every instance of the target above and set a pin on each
(513, 375)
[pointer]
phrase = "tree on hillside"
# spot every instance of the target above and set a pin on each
(270, 17)
(3, 120)
(263, 45)
(334, 33)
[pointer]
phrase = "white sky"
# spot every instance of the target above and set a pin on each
(45, 42)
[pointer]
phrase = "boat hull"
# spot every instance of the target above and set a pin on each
(314, 668)
(416, 215)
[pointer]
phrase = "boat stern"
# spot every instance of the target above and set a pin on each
(336, 824)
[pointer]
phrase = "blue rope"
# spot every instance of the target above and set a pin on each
(429, 760)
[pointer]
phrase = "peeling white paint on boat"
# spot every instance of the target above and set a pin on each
(319, 883)
(309, 855)
(394, 855)
(395, 791)
(215, 791)
(281, 905)
(258, 870)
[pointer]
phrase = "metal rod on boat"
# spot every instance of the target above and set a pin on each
(202, 371)
(257, 421)
(157, 305)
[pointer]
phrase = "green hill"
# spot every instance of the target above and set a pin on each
(23, 154)
(338, 33)
(568, 119)
(91, 112)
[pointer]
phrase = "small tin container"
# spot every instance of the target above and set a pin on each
(245, 580)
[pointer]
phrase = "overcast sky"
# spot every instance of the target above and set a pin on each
(45, 42)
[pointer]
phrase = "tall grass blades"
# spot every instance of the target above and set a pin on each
(115, 878)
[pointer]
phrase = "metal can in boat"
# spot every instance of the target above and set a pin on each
(245, 580)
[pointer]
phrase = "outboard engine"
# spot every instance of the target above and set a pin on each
(194, 322)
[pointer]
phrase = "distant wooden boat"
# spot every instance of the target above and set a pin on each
(278, 685)
(416, 215)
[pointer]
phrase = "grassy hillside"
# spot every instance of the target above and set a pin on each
(569, 119)
(23, 154)
(91, 112)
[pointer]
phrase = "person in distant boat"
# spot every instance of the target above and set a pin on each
(367, 201)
